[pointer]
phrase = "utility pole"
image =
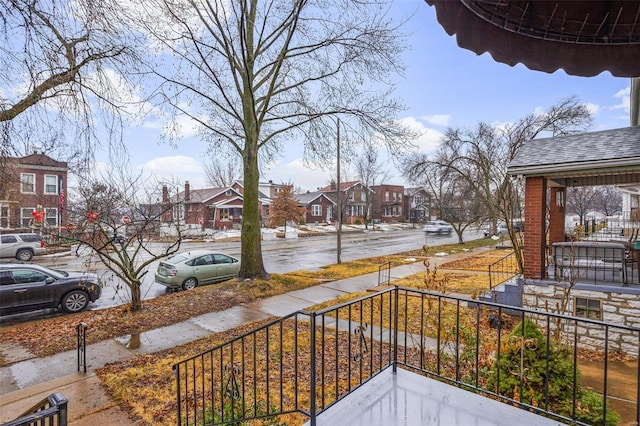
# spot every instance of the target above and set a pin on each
(339, 199)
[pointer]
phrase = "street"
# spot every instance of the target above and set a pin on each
(279, 256)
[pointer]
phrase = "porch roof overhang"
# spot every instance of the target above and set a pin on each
(609, 157)
(584, 38)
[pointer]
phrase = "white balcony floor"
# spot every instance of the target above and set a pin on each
(409, 399)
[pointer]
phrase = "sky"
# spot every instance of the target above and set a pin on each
(443, 86)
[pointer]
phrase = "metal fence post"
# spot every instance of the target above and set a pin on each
(81, 335)
(312, 407)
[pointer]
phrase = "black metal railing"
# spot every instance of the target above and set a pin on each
(50, 411)
(593, 261)
(384, 273)
(503, 269)
(81, 338)
(304, 363)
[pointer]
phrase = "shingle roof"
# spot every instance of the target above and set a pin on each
(310, 196)
(581, 151)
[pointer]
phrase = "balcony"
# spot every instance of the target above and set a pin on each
(403, 356)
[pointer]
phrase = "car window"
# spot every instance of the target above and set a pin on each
(202, 260)
(25, 276)
(177, 259)
(30, 238)
(221, 258)
(6, 239)
(6, 278)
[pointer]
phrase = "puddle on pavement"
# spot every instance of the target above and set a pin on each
(131, 341)
(621, 382)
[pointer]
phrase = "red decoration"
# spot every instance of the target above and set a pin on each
(38, 215)
(92, 216)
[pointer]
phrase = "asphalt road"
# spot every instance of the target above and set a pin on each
(279, 256)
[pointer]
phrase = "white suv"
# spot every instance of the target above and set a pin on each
(21, 246)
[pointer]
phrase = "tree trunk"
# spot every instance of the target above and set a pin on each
(251, 249)
(136, 296)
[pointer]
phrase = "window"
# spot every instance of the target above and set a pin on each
(4, 216)
(363, 196)
(27, 183)
(588, 308)
(316, 210)
(386, 196)
(51, 216)
(6, 239)
(51, 184)
(26, 216)
(351, 196)
(225, 214)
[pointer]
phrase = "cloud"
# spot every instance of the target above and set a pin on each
(624, 96)
(429, 138)
(437, 119)
(176, 168)
(306, 176)
(592, 108)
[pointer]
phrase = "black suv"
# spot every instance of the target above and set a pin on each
(25, 287)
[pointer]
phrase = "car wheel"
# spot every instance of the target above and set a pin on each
(190, 284)
(75, 301)
(24, 255)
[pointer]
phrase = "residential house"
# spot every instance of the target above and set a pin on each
(320, 208)
(548, 166)
(216, 208)
(31, 184)
(417, 202)
(354, 199)
(388, 203)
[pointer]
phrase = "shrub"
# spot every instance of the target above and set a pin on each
(527, 363)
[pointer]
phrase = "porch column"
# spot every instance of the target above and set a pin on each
(534, 230)
(557, 214)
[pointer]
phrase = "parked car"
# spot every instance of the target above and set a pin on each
(21, 246)
(25, 288)
(438, 227)
(190, 269)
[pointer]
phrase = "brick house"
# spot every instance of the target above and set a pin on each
(548, 167)
(354, 199)
(33, 183)
(388, 203)
(319, 207)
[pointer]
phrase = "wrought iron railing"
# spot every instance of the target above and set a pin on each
(303, 364)
(384, 273)
(50, 411)
(503, 269)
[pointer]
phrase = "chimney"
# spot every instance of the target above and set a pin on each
(333, 185)
(165, 194)
(187, 192)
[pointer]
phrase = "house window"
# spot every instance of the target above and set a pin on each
(26, 216)
(351, 196)
(27, 183)
(225, 214)
(363, 196)
(51, 184)
(4, 216)
(386, 196)
(227, 192)
(588, 308)
(51, 216)
(316, 210)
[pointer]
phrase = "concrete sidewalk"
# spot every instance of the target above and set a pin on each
(30, 379)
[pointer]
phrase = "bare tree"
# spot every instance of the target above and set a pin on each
(115, 222)
(371, 173)
(608, 200)
(256, 73)
(481, 156)
(55, 62)
(221, 173)
(580, 200)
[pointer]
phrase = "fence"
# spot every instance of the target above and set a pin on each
(50, 411)
(503, 269)
(306, 362)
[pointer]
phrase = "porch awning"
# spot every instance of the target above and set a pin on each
(584, 38)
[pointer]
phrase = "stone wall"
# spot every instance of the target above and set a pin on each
(620, 310)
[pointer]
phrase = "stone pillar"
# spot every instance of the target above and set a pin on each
(534, 230)
(557, 214)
